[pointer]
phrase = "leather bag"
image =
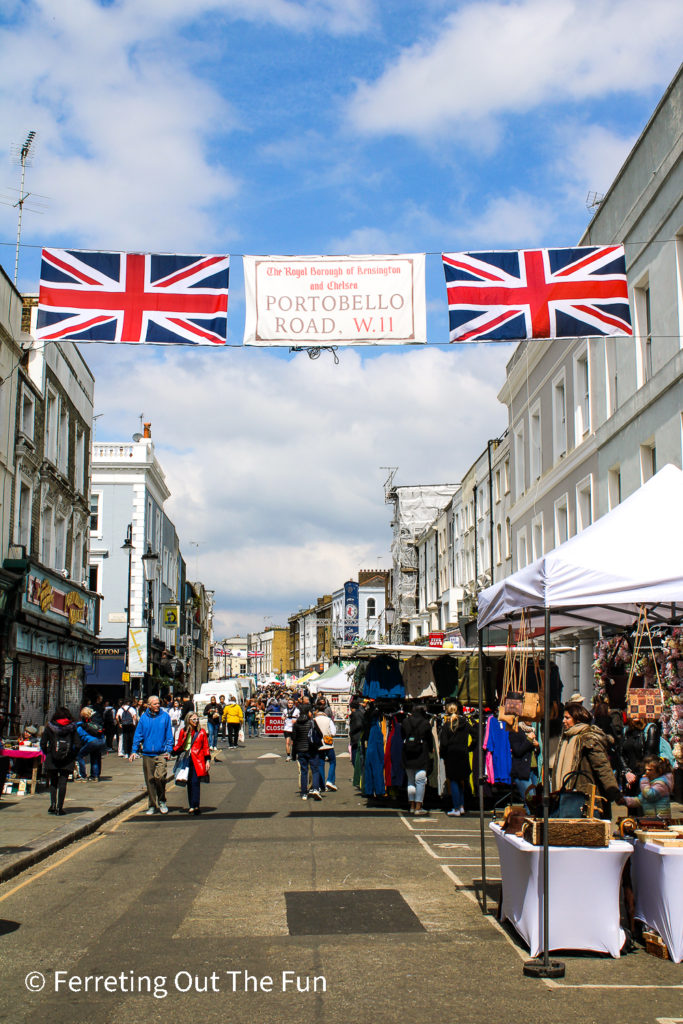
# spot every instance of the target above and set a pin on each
(641, 701)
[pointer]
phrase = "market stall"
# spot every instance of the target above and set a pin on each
(589, 924)
(632, 556)
(657, 877)
(23, 753)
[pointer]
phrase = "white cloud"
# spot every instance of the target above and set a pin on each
(496, 58)
(591, 157)
(279, 477)
(514, 220)
(126, 118)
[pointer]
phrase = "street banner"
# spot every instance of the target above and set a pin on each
(314, 301)
(133, 298)
(350, 611)
(537, 293)
(137, 650)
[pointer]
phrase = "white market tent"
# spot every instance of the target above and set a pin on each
(336, 682)
(633, 555)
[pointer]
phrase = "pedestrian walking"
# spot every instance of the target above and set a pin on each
(175, 714)
(250, 719)
(418, 745)
(187, 704)
(109, 718)
(291, 715)
(127, 718)
(59, 743)
(154, 737)
(328, 731)
(222, 730)
(92, 745)
(193, 745)
(306, 746)
(233, 717)
(213, 720)
(454, 745)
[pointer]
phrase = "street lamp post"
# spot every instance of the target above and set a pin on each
(128, 546)
(149, 565)
(389, 618)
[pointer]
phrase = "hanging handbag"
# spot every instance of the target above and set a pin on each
(181, 770)
(510, 691)
(534, 700)
(644, 702)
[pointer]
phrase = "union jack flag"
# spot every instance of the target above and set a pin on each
(132, 297)
(537, 293)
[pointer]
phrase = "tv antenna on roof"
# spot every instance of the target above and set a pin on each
(593, 200)
(23, 156)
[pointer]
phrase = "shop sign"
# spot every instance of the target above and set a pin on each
(170, 616)
(436, 639)
(59, 603)
(274, 725)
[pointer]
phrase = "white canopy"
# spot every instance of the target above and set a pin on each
(633, 555)
(340, 682)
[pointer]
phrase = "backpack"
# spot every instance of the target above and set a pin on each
(314, 735)
(126, 717)
(61, 748)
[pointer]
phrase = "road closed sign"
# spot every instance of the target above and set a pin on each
(274, 725)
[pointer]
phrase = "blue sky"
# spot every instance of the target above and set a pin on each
(314, 126)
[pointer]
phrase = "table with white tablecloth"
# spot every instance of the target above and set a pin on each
(657, 877)
(584, 884)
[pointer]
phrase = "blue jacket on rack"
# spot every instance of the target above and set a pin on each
(383, 678)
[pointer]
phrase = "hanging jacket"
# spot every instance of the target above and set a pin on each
(418, 677)
(373, 776)
(445, 671)
(383, 678)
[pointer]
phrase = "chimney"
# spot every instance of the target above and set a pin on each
(147, 430)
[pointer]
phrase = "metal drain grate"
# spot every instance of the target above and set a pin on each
(349, 912)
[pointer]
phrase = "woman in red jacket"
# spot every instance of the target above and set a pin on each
(194, 741)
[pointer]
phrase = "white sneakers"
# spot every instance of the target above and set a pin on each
(331, 785)
(163, 807)
(151, 810)
(315, 794)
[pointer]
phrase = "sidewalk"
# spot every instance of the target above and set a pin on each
(29, 833)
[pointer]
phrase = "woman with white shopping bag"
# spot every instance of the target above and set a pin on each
(194, 758)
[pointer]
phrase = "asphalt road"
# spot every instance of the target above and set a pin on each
(267, 909)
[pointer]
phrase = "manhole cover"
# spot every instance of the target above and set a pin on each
(349, 912)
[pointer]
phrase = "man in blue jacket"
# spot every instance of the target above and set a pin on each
(154, 734)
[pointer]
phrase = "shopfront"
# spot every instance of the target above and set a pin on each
(50, 646)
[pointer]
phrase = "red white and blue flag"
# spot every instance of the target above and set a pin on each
(152, 299)
(537, 293)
